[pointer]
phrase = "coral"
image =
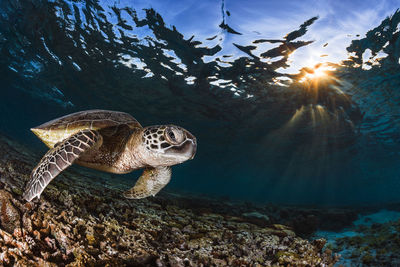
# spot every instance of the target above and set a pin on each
(370, 243)
(81, 222)
(9, 215)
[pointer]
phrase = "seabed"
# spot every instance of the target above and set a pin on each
(83, 220)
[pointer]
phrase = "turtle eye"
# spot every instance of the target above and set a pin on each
(174, 135)
(171, 135)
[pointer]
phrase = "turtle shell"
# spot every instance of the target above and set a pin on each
(61, 128)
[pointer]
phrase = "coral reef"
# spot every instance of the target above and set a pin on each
(83, 221)
(374, 241)
(302, 219)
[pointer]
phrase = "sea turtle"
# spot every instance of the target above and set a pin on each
(114, 142)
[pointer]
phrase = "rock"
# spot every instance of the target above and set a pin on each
(319, 243)
(10, 217)
(257, 218)
(305, 225)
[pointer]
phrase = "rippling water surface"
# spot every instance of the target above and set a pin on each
(271, 127)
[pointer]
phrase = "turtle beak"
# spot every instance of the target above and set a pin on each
(194, 141)
(187, 149)
(190, 137)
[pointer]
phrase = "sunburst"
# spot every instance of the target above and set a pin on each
(316, 73)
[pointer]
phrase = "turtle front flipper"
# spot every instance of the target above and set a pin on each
(150, 183)
(58, 159)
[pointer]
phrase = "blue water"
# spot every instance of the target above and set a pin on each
(268, 129)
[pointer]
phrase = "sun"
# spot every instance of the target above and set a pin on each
(318, 72)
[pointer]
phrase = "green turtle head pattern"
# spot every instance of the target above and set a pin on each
(169, 144)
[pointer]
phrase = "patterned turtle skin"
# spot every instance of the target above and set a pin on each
(114, 142)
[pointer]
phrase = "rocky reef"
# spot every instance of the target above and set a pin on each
(82, 220)
(373, 240)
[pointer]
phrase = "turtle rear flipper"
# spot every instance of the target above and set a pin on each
(150, 183)
(58, 159)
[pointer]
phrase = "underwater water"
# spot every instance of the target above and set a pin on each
(293, 105)
(264, 134)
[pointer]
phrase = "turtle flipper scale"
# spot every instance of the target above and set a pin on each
(150, 183)
(58, 159)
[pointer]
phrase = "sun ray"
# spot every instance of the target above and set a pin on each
(318, 72)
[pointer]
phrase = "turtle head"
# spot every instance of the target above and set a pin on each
(168, 145)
